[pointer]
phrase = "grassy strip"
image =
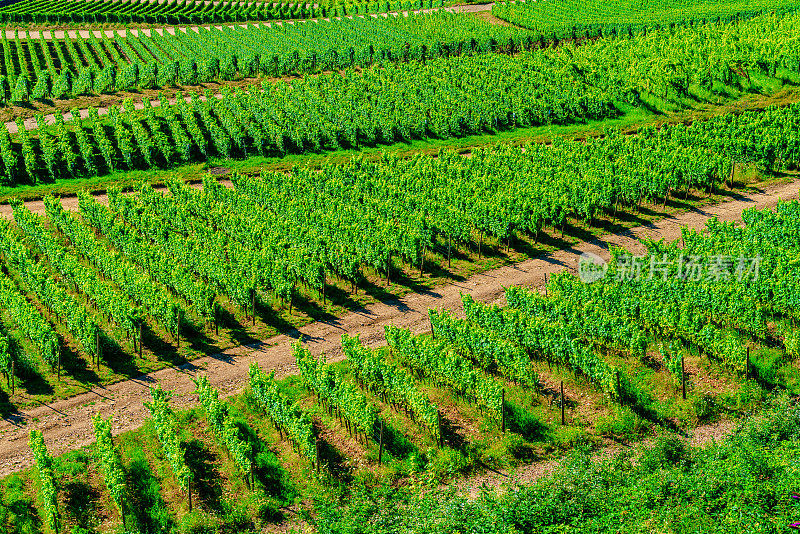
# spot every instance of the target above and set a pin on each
(667, 487)
(286, 483)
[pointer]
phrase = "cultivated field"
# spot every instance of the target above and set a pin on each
(399, 267)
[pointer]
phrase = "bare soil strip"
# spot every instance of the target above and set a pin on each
(50, 119)
(67, 423)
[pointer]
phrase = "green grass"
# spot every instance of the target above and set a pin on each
(742, 484)
(286, 483)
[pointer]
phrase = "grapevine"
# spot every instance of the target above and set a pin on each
(285, 417)
(394, 385)
(110, 464)
(350, 404)
(224, 427)
(48, 491)
(166, 430)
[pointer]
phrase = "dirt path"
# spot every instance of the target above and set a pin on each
(71, 202)
(66, 423)
(30, 122)
(86, 33)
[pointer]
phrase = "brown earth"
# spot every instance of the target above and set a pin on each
(30, 122)
(71, 202)
(66, 423)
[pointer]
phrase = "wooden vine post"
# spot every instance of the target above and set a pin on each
(13, 375)
(503, 410)
(683, 379)
(178, 331)
(253, 306)
(189, 492)
(732, 173)
(97, 348)
(141, 339)
(380, 444)
(448, 251)
(216, 319)
(747, 364)
(319, 459)
(563, 419)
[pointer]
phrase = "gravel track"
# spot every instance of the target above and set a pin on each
(30, 122)
(67, 423)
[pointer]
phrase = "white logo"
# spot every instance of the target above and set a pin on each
(591, 267)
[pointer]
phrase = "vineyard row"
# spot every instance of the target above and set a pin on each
(169, 258)
(191, 11)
